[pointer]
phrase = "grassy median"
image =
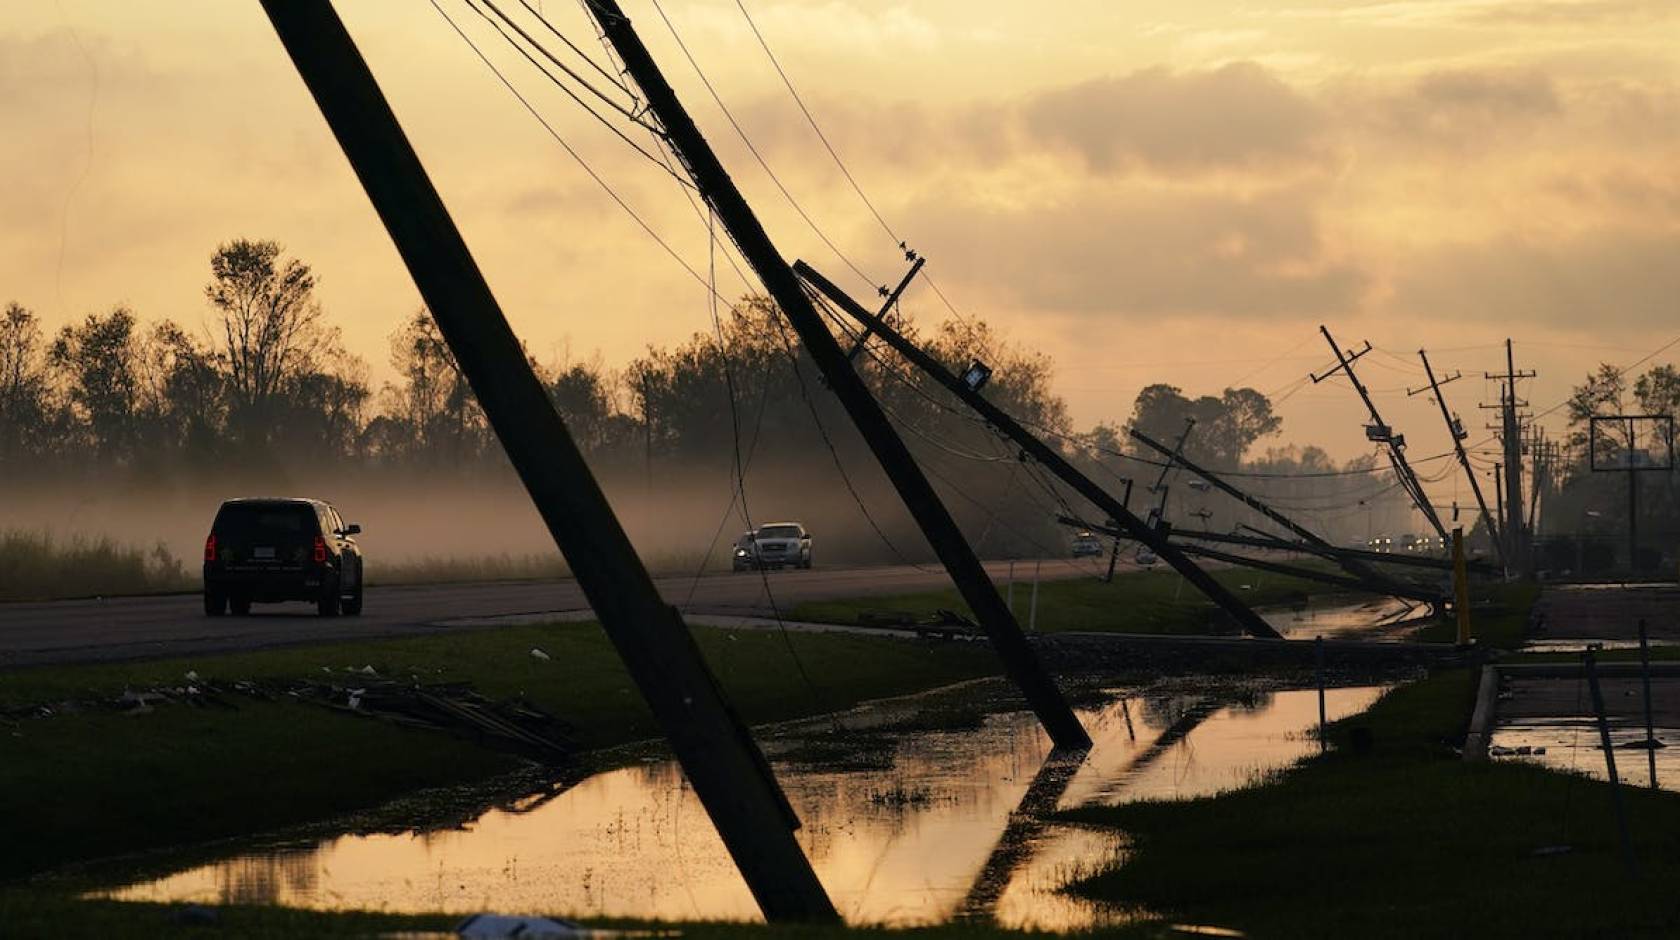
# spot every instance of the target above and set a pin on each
(98, 782)
(1155, 601)
(1391, 834)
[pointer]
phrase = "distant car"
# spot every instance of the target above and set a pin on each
(775, 545)
(1085, 543)
(1146, 557)
(271, 550)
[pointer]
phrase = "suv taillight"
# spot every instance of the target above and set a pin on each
(210, 548)
(320, 550)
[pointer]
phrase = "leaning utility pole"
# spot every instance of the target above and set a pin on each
(716, 751)
(1160, 486)
(1455, 429)
(1381, 433)
(1510, 435)
(715, 185)
(1046, 456)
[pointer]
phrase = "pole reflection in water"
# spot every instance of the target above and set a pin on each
(917, 827)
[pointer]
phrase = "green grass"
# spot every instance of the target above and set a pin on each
(1392, 835)
(37, 914)
(99, 782)
(1499, 614)
(37, 565)
(1154, 601)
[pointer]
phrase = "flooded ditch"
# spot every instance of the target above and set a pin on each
(912, 815)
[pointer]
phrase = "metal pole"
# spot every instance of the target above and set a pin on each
(1047, 456)
(1461, 587)
(1318, 675)
(1010, 602)
(1589, 662)
(717, 753)
(1651, 742)
(947, 540)
(1032, 610)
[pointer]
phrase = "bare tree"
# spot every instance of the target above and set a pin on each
(271, 332)
(25, 405)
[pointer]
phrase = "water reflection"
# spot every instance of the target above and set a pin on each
(1376, 618)
(952, 823)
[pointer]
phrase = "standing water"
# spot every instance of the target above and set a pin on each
(904, 827)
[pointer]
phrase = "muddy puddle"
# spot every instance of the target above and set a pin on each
(905, 825)
(1378, 618)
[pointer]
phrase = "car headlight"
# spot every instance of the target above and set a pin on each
(740, 553)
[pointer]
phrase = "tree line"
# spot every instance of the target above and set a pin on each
(268, 383)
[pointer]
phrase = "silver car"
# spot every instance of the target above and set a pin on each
(775, 545)
(1085, 543)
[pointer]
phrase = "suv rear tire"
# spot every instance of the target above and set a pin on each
(328, 605)
(215, 603)
(241, 606)
(352, 606)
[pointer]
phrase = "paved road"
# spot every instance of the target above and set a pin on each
(174, 625)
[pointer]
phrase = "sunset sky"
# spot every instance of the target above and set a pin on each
(1149, 191)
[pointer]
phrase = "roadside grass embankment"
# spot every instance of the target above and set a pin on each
(39, 565)
(1391, 834)
(1155, 601)
(34, 914)
(100, 782)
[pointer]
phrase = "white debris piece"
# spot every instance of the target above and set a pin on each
(192, 675)
(537, 653)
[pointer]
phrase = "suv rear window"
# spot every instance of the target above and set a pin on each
(266, 520)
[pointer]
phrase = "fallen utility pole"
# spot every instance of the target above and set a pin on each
(1046, 456)
(947, 540)
(1331, 553)
(1455, 429)
(1380, 432)
(1371, 576)
(1259, 564)
(717, 753)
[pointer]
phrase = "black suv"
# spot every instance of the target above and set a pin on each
(269, 550)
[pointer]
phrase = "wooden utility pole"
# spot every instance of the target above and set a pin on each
(1379, 431)
(1455, 429)
(1114, 550)
(919, 497)
(1510, 435)
(717, 752)
(887, 305)
(1046, 456)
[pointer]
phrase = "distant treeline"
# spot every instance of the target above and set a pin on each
(268, 383)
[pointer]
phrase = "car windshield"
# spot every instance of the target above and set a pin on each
(779, 532)
(265, 520)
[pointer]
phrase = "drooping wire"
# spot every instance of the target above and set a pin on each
(753, 149)
(472, 5)
(816, 127)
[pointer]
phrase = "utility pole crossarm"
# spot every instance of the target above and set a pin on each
(892, 298)
(931, 515)
(1045, 455)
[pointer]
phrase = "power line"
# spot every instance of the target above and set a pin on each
(753, 148)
